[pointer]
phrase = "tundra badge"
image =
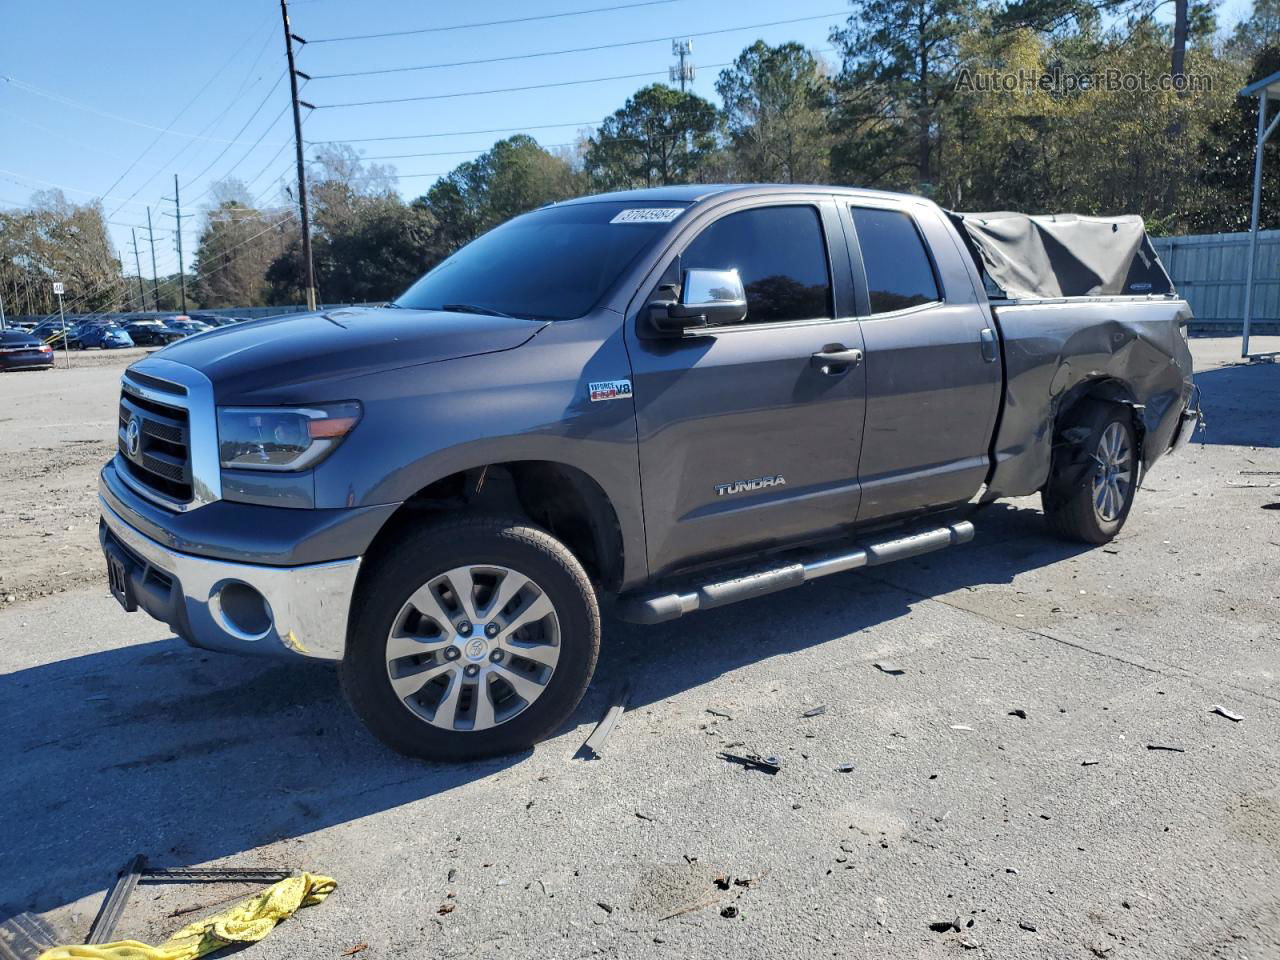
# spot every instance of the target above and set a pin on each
(741, 486)
(609, 390)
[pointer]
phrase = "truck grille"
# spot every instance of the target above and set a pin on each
(158, 454)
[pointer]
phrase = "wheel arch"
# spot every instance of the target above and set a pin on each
(1079, 407)
(563, 499)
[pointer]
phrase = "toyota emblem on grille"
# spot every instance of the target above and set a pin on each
(132, 438)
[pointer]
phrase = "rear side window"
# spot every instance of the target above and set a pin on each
(781, 256)
(899, 274)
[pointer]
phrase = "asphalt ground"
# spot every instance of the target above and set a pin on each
(1059, 835)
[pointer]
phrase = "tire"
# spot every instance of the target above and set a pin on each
(1094, 475)
(467, 705)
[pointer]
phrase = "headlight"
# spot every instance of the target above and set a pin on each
(283, 438)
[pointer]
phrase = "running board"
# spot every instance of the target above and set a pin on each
(661, 606)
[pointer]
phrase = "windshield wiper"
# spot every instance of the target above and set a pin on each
(473, 308)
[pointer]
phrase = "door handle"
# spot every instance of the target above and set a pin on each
(989, 351)
(835, 358)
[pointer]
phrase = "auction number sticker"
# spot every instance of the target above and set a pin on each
(648, 215)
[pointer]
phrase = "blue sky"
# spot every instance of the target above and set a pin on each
(99, 84)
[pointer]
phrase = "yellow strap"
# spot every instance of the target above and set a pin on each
(247, 922)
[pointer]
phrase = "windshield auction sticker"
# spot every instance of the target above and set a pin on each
(648, 215)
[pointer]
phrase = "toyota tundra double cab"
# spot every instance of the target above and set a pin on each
(662, 401)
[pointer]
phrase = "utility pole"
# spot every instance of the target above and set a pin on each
(1, 308)
(684, 72)
(308, 265)
(155, 285)
(182, 270)
(137, 262)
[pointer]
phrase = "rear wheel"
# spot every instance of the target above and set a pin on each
(470, 638)
(1095, 477)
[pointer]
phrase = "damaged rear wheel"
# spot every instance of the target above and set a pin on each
(1094, 475)
(472, 637)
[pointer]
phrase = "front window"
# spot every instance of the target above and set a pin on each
(551, 264)
(781, 256)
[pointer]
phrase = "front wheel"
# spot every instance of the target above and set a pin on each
(1094, 479)
(470, 638)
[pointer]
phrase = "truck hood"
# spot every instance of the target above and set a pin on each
(265, 359)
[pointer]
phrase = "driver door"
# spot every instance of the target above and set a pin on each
(747, 439)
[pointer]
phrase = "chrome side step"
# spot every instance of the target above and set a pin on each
(661, 606)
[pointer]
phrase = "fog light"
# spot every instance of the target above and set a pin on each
(243, 610)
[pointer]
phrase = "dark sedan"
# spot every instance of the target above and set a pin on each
(152, 334)
(22, 351)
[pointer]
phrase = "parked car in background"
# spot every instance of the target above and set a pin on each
(212, 319)
(190, 325)
(149, 333)
(51, 332)
(19, 350)
(105, 336)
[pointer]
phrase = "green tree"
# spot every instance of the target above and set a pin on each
(659, 136)
(775, 102)
(900, 59)
(1261, 30)
(1226, 157)
(515, 175)
(237, 244)
(53, 239)
(1097, 150)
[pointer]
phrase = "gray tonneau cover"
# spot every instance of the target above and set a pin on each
(1063, 255)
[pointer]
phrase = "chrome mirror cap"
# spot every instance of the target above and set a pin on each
(719, 289)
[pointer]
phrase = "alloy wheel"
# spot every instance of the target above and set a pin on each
(473, 647)
(1113, 475)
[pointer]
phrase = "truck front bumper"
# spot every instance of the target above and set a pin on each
(234, 607)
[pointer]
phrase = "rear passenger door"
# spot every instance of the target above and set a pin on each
(932, 366)
(745, 439)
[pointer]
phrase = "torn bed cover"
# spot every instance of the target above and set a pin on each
(1064, 255)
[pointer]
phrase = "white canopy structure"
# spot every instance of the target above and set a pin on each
(1266, 90)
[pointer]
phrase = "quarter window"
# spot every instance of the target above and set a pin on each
(781, 256)
(899, 274)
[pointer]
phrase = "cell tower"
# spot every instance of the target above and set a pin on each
(683, 72)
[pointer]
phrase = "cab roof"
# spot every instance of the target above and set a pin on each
(695, 192)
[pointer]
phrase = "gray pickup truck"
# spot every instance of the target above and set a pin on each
(663, 401)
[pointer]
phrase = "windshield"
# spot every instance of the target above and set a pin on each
(551, 264)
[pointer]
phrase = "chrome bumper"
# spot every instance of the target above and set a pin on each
(304, 609)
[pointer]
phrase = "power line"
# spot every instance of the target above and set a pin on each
(147, 149)
(10, 174)
(492, 23)
(556, 53)
(480, 93)
(63, 137)
(532, 86)
(235, 99)
(270, 126)
(229, 145)
(67, 101)
(459, 133)
(285, 215)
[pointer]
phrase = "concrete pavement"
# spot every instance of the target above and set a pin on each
(119, 740)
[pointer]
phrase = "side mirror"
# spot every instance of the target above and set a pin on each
(708, 298)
